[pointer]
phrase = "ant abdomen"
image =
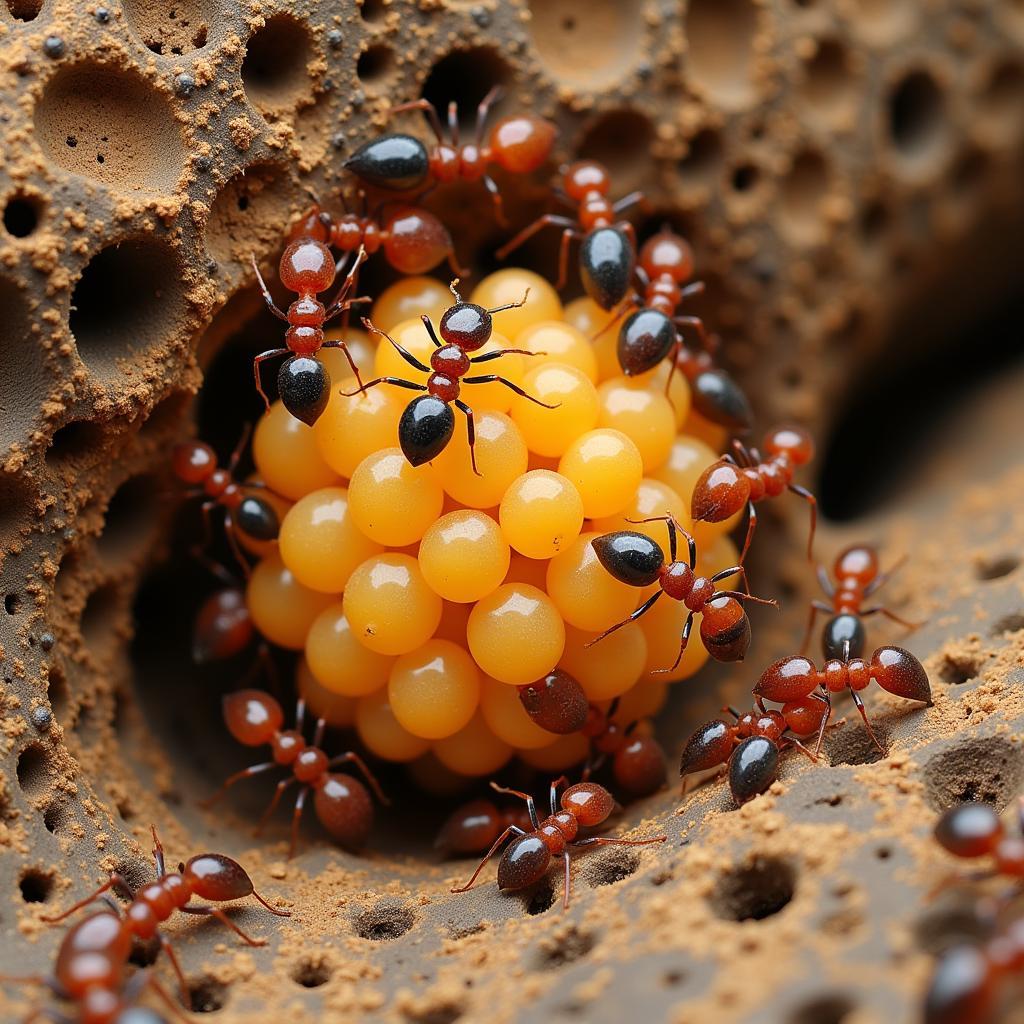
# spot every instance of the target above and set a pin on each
(718, 398)
(344, 808)
(395, 161)
(639, 767)
(523, 862)
(645, 339)
(556, 703)
(707, 748)
(844, 632)
(257, 519)
(214, 876)
(752, 768)
(223, 626)
(305, 387)
(725, 629)
(425, 428)
(607, 261)
(631, 557)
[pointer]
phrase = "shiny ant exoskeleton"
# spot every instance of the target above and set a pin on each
(730, 483)
(558, 704)
(427, 424)
(636, 560)
(474, 826)
(94, 954)
(341, 802)
(518, 144)
(527, 858)
(608, 249)
(974, 829)
(856, 578)
(307, 268)
(795, 679)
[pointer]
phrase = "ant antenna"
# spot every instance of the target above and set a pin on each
(454, 289)
(511, 305)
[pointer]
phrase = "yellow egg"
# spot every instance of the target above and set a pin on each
(643, 414)
(507, 718)
(389, 605)
(282, 609)
(653, 498)
(500, 458)
(389, 362)
(564, 753)
(463, 556)
(507, 286)
(606, 468)
(663, 626)
(512, 367)
(286, 455)
(608, 668)
(320, 543)
(546, 431)
(643, 701)
(434, 690)
(473, 750)
(589, 318)
(711, 434)
(381, 732)
(678, 392)
(719, 555)
(362, 346)
(558, 342)
(338, 661)
(515, 634)
(392, 502)
(337, 710)
(540, 513)
(352, 428)
(586, 595)
(408, 298)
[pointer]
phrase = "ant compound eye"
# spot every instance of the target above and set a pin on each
(305, 387)
(467, 325)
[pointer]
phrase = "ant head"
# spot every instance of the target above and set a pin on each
(792, 441)
(193, 461)
(252, 716)
(588, 803)
(858, 561)
(307, 266)
(223, 626)
(639, 767)
(970, 829)
(667, 253)
(586, 176)
(521, 143)
(556, 703)
(466, 324)
(212, 876)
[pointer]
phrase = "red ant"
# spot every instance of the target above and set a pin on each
(608, 252)
(558, 704)
(636, 560)
(795, 679)
(730, 483)
(428, 422)
(94, 953)
(474, 826)
(340, 801)
(195, 463)
(856, 577)
(519, 144)
(307, 268)
(528, 856)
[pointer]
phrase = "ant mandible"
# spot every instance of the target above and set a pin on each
(474, 826)
(94, 953)
(730, 483)
(519, 144)
(528, 856)
(341, 802)
(427, 424)
(856, 578)
(608, 250)
(307, 268)
(636, 560)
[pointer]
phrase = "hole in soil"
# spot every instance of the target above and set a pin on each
(874, 219)
(1003, 98)
(384, 922)
(128, 302)
(145, 954)
(957, 669)
(852, 745)
(990, 768)
(673, 979)
(720, 57)
(74, 440)
(829, 87)
(249, 212)
(57, 692)
(745, 177)
(173, 27)
(375, 65)
(208, 994)
(918, 124)
(946, 927)
(540, 899)
(36, 885)
(1008, 624)
(33, 776)
(131, 516)
(311, 972)
(24, 383)
(55, 817)
(274, 72)
(755, 891)
(621, 140)
(995, 566)
(702, 164)
(22, 215)
(99, 618)
(558, 950)
(465, 76)
(24, 10)
(803, 192)
(612, 867)
(372, 10)
(12, 604)
(830, 1008)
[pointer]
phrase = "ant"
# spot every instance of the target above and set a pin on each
(428, 422)
(558, 704)
(636, 560)
(93, 955)
(472, 827)
(608, 253)
(795, 678)
(195, 463)
(341, 802)
(528, 856)
(519, 144)
(713, 392)
(750, 745)
(307, 268)
(974, 829)
(856, 577)
(732, 482)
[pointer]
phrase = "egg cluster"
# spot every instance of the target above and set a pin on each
(422, 597)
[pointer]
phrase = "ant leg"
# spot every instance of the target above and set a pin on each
(158, 853)
(300, 803)
(736, 570)
(827, 700)
(827, 585)
(493, 378)
(265, 291)
(113, 882)
(236, 549)
(398, 382)
(272, 806)
(430, 328)
(565, 894)
(646, 606)
(498, 353)
(483, 110)
(348, 355)
(429, 112)
(697, 324)
(470, 431)
(453, 124)
(813, 505)
(404, 353)
(239, 448)
(627, 201)
(816, 606)
(882, 578)
(531, 807)
(352, 758)
(277, 913)
(684, 639)
(751, 526)
(318, 732)
(236, 777)
(859, 701)
(165, 945)
(891, 615)
(692, 289)
(499, 210)
(225, 920)
(630, 300)
(743, 597)
(153, 982)
(531, 229)
(453, 262)
(300, 714)
(606, 841)
(674, 528)
(793, 741)
(553, 800)
(563, 257)
(512, 830)
(271, 353)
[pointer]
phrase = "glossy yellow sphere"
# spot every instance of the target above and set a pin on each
(611, 666)
(564, 753)
(720, 554)
(515, 634)
(541, 513)
(338, 661)
(643, 414)
(282, 609)
(349, 429)
(606, 468)
(592, 321)
(473, 750)
(678, 392)
(391, 501)
(550, 431)
(389, 605)
(381, 732)
(362, 346)
(500, 457)
(320, 543)
(512, 366)
(510, 285)
(286, 455)
(653, 498)
(643, 701)
(507, 718)
(558, 342)
(389, 362)
(463, 556)
(586, 595)
(434, 690)
(336, 709)
(711, 434)
(662, 626)
(408, 298)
